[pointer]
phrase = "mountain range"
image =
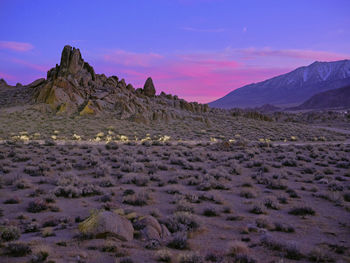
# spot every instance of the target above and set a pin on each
(289, 89)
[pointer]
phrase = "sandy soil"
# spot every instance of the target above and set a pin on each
(260, 203)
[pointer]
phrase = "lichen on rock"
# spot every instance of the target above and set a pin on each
(106, 223)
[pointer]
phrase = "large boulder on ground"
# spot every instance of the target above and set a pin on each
(148, 88)
(151, 229)
(107, 223)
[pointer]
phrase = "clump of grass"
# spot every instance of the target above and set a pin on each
(248, 194)
(263, 223)
(126, 260)
(184, 206)
(12, 200)
(347, 197)
(109, 248)
(91, 190)
(67, 191)
(22, 184)
(182, 221)
(40, 254)
(137, 199)
(257, 209)
(214, 256)
(18, 249)
(9, 233)
(37, 206)
(289, 250)
(179, 241)
(163, 255)
(270, 203)
(237, 248)
(191, 257)
(210, 212)
(302, 211)
(319, 255)
(48, 232)
(281, 227)
(39, 257)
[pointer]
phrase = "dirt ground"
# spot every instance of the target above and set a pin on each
(221, 201)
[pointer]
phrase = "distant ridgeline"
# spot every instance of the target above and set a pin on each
(73, 88)
(291, 89)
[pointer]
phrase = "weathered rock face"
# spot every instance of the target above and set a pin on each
(3, 83)
(36, 83)
(73, 88)
(152, 230)
(148, 88)
(106, 223)
(68, 85)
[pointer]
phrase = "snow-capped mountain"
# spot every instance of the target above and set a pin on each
(289, 89)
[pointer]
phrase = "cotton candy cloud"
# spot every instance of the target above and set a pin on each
(199, 77)
(36, 67)
(207, 76)
(293, 53)
(7, 76)
(16, 46)
(128, 58)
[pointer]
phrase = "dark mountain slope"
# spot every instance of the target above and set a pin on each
(331, 99)
(289, 89)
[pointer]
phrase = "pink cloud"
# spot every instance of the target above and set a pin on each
(294, 53)
(7, 77)
(16, 46)
(195, 77)
(40, 68)
(127, 58)
(206, 76)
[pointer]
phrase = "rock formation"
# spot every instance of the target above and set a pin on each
(106, 223)
(148, 88)
(3, 83)
(73, 87)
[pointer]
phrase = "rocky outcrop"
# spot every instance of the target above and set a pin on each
(3, 83)
(68, 85)
(148, 88)
(151, 229)
(36, 83)
(106, 223)
(73, 87)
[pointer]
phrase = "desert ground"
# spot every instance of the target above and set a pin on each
(232, 189)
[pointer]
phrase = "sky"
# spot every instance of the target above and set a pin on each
(199, 50)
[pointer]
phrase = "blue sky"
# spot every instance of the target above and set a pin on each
(197, 49)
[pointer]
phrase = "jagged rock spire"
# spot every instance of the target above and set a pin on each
(71, 63)
(148, 88)
(3, 83)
